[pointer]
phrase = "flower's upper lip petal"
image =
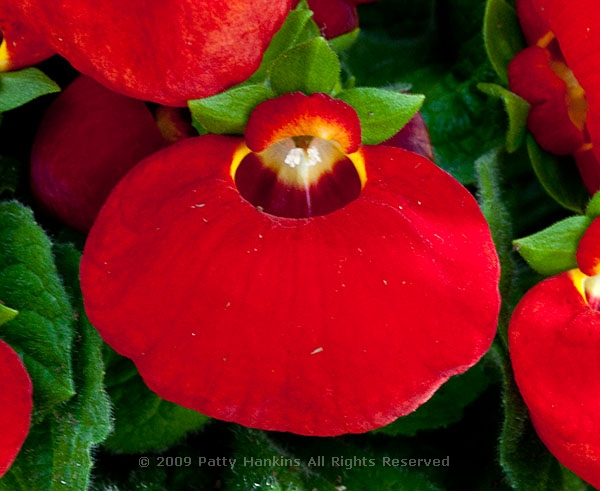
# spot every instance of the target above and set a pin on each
(296, 114)
(533, 22)
(15, 403)
(576, 25)
(553, 342)
(321, 326)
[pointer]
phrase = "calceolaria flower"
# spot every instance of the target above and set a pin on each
(15, 405)
(294, 279)
(554, 338)
(183, 49)
(558, 75)
(335, 17)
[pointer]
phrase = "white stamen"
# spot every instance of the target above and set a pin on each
(299, 156)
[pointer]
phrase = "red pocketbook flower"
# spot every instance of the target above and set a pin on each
(559, 75)
(293, 280)
(20, 46)
(554, 338)
(167, 52)
(15, 405)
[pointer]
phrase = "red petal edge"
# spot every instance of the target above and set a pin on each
(554, 341)
(322, 326)
(15, 405)
(299, 115)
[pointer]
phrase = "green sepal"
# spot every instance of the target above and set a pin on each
(517, 110)
(228, 112)
(345, 41)
(382, 113)
(7, 314)
(553, 250)
(559, 177)
(592, 209)
(501, 35)
(20, 87)
(309, 67)
(143, 421)
(43, 331)
(294, 30)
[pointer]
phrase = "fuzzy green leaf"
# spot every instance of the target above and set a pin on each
(57, 452)
(43, 330)
(517, 110)
(309, 67)
(20, 87)
(323, 464)
(345, 41)
(559, 177)
(228, 112)
(382, 113)
(553, 250)
(502, 35)
(143, 421)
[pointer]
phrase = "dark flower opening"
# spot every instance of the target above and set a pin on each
(299, 177)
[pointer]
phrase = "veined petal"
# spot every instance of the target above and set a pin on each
(554, 341)
(15, 405)
(320, 326)
(291, 115)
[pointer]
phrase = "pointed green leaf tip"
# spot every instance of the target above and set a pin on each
(382, 113)
(309, 67)
(6, 314)
(228, 112)
(553, 250)
(20, 87)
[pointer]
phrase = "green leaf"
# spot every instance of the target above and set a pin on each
(57, 452)
(309, 67)
(446, 406)
(43, 330)
(143, 421)
(228, 112)
(19, 87)
(382, 113)
(85, 420)
(592, 209)
(553, 250)
(559, 177)
(517, 110)
(502, 36)
(493, 207)
(319, 463)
